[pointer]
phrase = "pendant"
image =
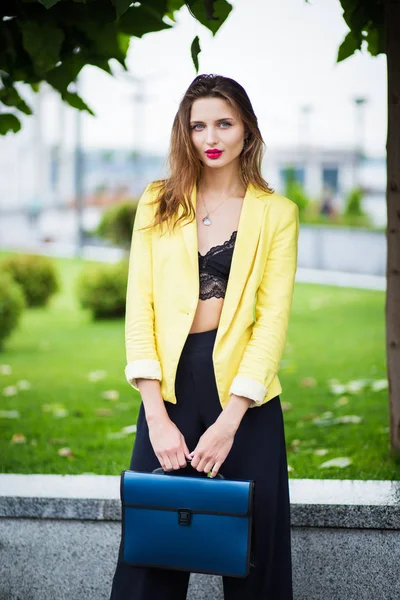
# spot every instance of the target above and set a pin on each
(207, 221)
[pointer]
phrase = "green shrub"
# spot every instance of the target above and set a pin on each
(36, 275)
(116, 223)
(102, 289)
(353, 204)
(12, 304)
(294, 190)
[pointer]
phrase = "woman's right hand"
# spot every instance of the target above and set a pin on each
(168, 444)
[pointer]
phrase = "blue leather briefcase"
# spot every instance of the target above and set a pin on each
(187, 523)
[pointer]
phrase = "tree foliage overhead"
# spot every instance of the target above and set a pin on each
(52, 40)
(365, 19)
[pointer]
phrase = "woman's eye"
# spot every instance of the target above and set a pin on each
(222, 123)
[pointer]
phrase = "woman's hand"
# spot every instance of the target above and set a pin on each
(215, 444)
(168, 443)
(213, 447)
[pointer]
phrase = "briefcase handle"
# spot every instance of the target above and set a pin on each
(187, 471)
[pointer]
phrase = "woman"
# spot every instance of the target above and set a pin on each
(211, 276)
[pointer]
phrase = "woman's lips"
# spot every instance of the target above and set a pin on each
(214, 153)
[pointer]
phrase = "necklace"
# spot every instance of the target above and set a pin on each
(206, 220)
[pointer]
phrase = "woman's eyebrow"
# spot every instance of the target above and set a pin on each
(217, 121)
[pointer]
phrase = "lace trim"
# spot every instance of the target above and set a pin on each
(233, 236)
(211, 286)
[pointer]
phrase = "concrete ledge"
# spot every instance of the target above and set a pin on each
(314, 502)
(59, 539)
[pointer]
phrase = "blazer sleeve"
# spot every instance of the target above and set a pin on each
(141, 355)
(261, 359)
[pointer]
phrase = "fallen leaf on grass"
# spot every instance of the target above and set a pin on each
(59, 411)
(110, 395)
(116, 435)
(123, 406)
(10, 390)
(342, 401)
(66, 452)
(5, 369)
(9, 414)
(327, 418)
(18, 438)
(104, 412)
(321, 451)
(341, 462)
(337, 388)
(308, 382)
(97, 375)
(286, 406)
(354, 386)
(357, 385)
(23, 384)
(310, 416)
(349, 419)
(379, 384)
(294, 446)
(129, 429)
(289, 468)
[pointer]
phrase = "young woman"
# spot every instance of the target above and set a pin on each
(211, 276)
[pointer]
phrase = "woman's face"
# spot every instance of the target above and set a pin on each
(214, 125)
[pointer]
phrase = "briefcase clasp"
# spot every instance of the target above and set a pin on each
(184, 516)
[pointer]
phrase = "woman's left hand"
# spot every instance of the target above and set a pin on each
(213, 447)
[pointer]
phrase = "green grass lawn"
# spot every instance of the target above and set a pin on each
(69, 423)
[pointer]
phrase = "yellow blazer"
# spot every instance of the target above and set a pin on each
(163, 291)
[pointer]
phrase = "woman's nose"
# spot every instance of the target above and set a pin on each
(211, 135)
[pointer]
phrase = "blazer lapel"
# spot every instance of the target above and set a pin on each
(248, 233)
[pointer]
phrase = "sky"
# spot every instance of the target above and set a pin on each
(283, 52)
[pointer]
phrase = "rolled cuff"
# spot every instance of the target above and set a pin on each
(249, 388)
(146, 369)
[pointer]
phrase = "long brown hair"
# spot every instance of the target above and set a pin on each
(184, 164)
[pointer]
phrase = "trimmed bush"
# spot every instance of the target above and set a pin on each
(295, 191)
(35, 274)
(116, 223)
(12, 304)
(354, 203)
(102, 289)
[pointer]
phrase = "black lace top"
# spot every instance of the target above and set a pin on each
(214, 269)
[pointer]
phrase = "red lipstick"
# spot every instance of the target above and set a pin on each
(215, 153)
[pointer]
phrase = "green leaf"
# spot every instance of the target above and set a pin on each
(10, 97)
(173, 6)
(195, 51)
(350, 44)
(9, 122)
(43, 42)
(76, 102)
(200, 9)
(375, 36)
(121, 6)
(139, 20)
(48, 3)
(60, 77)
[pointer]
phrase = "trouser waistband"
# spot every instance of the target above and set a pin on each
(200, 341)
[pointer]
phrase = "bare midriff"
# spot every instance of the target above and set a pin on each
(207, 315)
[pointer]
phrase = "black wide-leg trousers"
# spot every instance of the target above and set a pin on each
(258, 453)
